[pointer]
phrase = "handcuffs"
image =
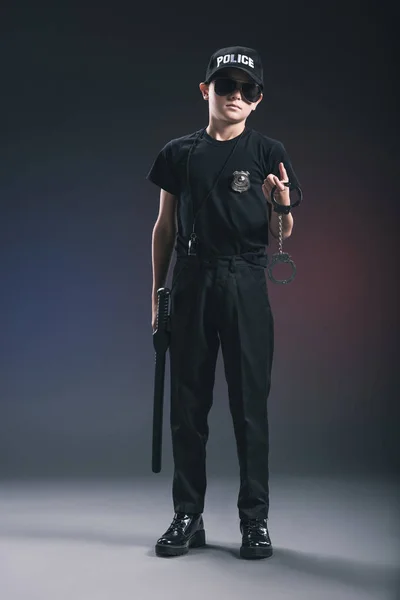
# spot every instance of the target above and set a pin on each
(280, 256)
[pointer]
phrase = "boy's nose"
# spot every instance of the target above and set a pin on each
(236, 93)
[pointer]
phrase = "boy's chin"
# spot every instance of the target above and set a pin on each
(232, 119)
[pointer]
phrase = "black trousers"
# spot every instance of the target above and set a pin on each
(220, 302)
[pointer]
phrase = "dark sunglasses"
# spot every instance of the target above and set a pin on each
(224, 86)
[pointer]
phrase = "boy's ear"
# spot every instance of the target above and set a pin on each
(204, 90)
(258, 102)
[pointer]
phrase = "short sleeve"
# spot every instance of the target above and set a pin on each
(279, 154)
(163, 173)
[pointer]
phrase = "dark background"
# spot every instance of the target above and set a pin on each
(89, 95)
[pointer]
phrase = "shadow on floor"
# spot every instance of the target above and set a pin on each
(370, 577)
(344, 571)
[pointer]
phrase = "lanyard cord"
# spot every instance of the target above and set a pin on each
(200, 134)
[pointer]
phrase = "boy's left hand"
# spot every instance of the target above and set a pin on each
(282, 193)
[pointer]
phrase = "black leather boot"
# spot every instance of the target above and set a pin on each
(185, 531)
(256, 542)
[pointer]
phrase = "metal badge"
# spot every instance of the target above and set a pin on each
(240, 182)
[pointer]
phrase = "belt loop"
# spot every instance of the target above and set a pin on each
(232, 264)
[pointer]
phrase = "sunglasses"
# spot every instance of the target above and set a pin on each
(224, 86)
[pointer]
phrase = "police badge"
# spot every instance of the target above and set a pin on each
(240, 181)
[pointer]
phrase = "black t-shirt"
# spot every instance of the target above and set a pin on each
(228, 222)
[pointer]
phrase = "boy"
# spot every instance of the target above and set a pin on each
(215, 208)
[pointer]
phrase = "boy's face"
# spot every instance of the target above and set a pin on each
(232, 108)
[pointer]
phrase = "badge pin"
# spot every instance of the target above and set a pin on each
(240, 181)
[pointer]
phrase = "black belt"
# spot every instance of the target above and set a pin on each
(254, 258)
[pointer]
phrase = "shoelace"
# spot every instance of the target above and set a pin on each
(177, 523)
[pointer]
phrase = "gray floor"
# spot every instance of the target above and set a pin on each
(333, 539)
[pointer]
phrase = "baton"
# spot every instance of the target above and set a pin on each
(161, 339)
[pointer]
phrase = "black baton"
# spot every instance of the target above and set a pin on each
(161, 339)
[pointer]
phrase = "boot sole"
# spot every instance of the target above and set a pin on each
(196, 541)
(254, 553)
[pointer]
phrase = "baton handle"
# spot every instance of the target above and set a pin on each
(161, 339)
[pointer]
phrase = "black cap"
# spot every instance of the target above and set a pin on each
(238, 57)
